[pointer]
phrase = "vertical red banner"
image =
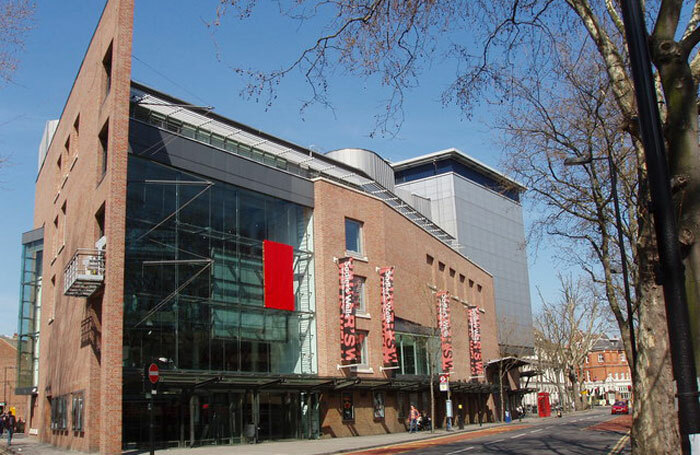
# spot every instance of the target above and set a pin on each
(278, 270)
(444, 326)
(348, 299)
(475, 360)
(389, 353)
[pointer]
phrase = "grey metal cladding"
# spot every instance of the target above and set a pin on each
(192, 156)
(33, 235)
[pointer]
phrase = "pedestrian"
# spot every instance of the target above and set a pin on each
(3, 422)
(10, 427)
(413, 417)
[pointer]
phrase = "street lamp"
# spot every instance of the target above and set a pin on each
(586, 159)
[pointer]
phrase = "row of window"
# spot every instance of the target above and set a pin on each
(59, 412)
(601, 358)
(617, 376)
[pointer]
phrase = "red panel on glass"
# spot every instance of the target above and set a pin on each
(278, 266)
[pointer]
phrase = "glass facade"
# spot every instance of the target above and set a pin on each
(29, 317)
(194, 286)
(415, 352)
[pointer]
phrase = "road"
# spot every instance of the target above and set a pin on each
(594, 432)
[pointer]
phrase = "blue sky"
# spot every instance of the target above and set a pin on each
(171, 38)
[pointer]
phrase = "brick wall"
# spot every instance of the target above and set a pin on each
(8, 375)
(389, 239)
(81, 346)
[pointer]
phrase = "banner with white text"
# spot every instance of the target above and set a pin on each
(348, 299)
(444, 326)
(389, 353)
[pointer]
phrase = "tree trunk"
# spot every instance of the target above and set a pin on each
(655, 420)
(432, 402)
(680, 92)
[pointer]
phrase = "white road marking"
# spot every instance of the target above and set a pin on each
(517, 436)
(493, 442)
(536, 431)
(460, 450)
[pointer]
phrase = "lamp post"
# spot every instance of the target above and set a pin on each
(621, 240)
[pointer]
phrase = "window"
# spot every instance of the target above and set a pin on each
(353, 236)
(107, 70)
(413, 354)
(623, 358)
(441, 266)
(100, 222)
(429, 259)
(452, 273)
(59, 417)
(362, 350)
(361, 307)
(586, 359)
(104, 142)
(600, 358)
(77, 412)
(462, 278)
(348, 406)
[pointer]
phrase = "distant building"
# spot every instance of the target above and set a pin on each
(8, 375)
(606, 373)
(481, 208)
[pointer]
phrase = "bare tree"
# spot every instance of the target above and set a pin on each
(15, 21)
(566, 331)
(508, 42)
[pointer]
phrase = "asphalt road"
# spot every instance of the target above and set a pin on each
(566, 436)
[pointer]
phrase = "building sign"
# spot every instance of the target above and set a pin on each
(278, 270)
(475, 360)
(389, 353)
(348, 300)
(443, 313)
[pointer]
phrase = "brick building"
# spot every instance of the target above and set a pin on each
(606, 372)
(282, 293)
(8, 370)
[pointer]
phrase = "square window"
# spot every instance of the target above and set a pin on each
(353, 236)
(429, 259)
(600, 358)
(623, 358)
(452, 273)
(462, 278)
(441, 266)
(361, 307)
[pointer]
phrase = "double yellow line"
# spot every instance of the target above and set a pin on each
(620, 445)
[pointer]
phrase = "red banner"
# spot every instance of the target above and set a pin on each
(348, 300)
(475, 360)
(389, 354)
(443, 313)
(278, 270)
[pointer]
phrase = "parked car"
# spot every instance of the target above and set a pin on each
(620, 407)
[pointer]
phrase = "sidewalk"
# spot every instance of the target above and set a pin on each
(30, 446)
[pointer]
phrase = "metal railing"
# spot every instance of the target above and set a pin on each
(85, 272)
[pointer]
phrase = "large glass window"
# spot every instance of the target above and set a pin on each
(194, 291)
(353, 236)
(418, 353)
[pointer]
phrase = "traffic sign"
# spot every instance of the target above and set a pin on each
(444, 382)
(153, 373)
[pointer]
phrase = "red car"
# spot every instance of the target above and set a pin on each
(620, 407)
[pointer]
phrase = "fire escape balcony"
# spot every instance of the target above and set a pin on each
(85, 272)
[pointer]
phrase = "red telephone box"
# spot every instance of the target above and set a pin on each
(544, 409)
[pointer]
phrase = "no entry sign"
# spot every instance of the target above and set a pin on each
(153, 373)
(444, 382)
